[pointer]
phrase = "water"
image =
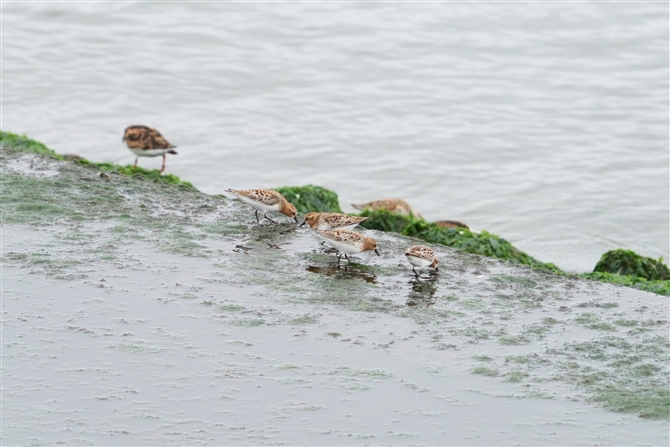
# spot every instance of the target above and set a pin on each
(138, 313)
(546, 123)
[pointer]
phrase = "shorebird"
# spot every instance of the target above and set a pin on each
(332, 221)
(266, 200)
(348, 242)
(422, 257)
(146, 141)
(393, 205)
(451, 224)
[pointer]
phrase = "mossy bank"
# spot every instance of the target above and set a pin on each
(214, 303)
(621, 267)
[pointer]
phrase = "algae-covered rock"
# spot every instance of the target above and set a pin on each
(311, 198)
(384, 220)
(660, 287)
(23, 143)
(629, 263)
(149, 174)
(130, 248)
(483, 243)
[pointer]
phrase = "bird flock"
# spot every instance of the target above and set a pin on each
(335, 228)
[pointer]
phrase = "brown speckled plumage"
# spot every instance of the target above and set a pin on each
(145, 138)
(393, 205)
(332, 221)
(348, 242)
(421, 256)
(451, 224)
(266, 200)
(144, 141)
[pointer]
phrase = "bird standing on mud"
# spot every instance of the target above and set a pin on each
(266, 200)
(422, 257)
(144, 141)
(348, 242)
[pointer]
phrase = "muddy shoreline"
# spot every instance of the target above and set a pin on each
(151, 313)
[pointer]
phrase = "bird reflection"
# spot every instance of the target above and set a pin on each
(423, 292)
(347, 271)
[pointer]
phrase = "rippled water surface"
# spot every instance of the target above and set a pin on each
(546, 123)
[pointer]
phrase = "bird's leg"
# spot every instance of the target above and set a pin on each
(257, 219)
(163, 167)
(347, 257)
(266, 216)
(415, 273)
(339, 257)
(135, 165)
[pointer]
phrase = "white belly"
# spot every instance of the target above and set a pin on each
(418, 262)
(258, 205)
(348, 227)
(149, 152)
(343, 248)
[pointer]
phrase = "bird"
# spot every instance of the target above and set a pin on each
(144, 141)
(393, 205)
(348, 242)
(265, 200)
(332, 221)
(451, 224)
(422, 257)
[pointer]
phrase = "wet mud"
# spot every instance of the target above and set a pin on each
(143, 313)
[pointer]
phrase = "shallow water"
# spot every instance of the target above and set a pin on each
(546, 122)
(141, 313)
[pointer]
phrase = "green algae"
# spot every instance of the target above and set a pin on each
(660, 287)
(629, 263)
(484, 243)
(627, 268)
(138, 172)
(313, 278)
(623, 375)
(311, 198)
(622, 267)
(302, 320)
(25, 144)
(484, 371)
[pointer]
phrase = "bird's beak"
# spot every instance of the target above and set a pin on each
(377, 252)
(296, 219)
(303, 223)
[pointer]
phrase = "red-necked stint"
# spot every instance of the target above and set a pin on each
(332, 221)
(451, 224)
(421, 256)
(265, 200)
(393, 205)
(348, 242)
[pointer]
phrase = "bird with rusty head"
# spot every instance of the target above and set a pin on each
(348, 242)
(422, 257)
(266, 200)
